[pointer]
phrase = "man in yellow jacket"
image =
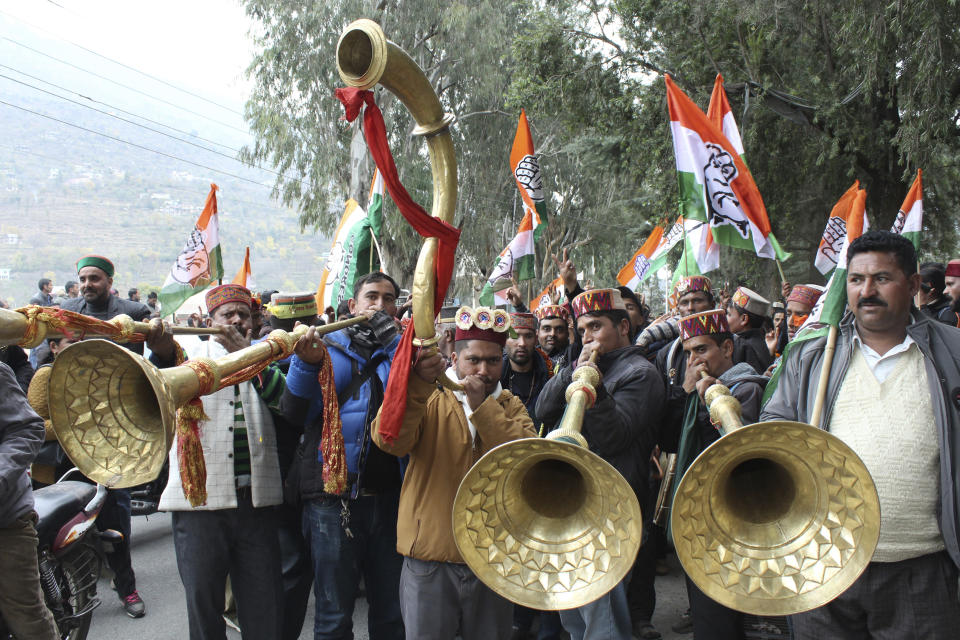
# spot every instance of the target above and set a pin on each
(445, 433)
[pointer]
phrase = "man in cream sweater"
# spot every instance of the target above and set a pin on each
(893, 396)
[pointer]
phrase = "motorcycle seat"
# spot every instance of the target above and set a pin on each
(57, 504)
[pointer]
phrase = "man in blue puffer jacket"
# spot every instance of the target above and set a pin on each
(353, 534)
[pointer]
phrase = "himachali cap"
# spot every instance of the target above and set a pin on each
(483, 323)
(285, 305)
(546, 311)
(598, 300)
(751, 301)
(807, 294)
(96, 261)
(691, 284)
(523, 321)
(705, 323)
(953, 269)
(219, 296)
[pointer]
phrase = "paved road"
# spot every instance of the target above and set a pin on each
(159, 585)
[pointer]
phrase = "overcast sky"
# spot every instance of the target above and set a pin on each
(201, 45)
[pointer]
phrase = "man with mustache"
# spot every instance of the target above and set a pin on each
(96, 279)
(894, 397)
(525, 371)
(445, 432)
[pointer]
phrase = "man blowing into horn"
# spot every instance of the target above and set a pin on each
(621, 428)
(893, 396)
(445, 433)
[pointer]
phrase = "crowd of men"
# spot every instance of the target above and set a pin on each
(270, 528)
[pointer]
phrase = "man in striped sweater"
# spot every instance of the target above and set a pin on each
(235, 531)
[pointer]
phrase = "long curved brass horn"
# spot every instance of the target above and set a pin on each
(774, 518)
(545, 522)
(113, 411)
(14, 328)
(364, 58)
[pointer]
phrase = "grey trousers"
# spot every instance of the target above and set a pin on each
(437, 599)
(21, 599)
(915, 598)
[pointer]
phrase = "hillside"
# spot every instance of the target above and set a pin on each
(65, 192)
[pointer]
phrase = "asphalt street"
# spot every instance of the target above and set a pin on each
(160, 588)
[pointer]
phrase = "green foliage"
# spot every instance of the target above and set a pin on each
(824, 94)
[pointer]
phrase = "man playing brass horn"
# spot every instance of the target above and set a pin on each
(893, 396)
(445, 433)
(621, 428)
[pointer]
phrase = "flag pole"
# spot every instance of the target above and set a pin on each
(783, 278)
(821, 398)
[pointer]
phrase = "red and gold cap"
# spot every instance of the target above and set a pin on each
(523, 321)
(483, 323)
(690, 284)
(751, 301)
(705, 323)
(597, 300)
(807, 294)
(219, 296)
(545, 311)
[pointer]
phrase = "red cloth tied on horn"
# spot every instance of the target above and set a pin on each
(354, 101)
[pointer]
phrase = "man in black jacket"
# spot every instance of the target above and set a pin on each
(621, 427)
(96, 280)
(524, 371)
(746, 311)
(931, 298)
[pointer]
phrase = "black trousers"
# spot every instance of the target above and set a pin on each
(115, 515)
(711, 620)
(915, 598)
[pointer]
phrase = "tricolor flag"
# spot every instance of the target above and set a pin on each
(909, 222)
(835, 234)
(353, 253)
(830, 307)
(244, 277)
(544, 296)
(515, 263)
(715, 185)
(720, 114)
(526, 171)
(199, 263)
(650, 257)
(700, 253)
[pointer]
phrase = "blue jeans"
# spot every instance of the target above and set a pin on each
(339, 561)
(605, 619)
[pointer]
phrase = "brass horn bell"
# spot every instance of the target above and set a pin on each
(774, 518)
(544, 522)
(113, 411)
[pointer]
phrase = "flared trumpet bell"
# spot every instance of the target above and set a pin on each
(546, 523)
(774, 518)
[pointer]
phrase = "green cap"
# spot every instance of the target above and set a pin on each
(96, 261)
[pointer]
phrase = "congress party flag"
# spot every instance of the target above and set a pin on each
(515, 262)
(836, 233)
(244, 276)
(715, 185)
(199, 263)
(651, 256)
(353, 253)
(700, 253)
(526, 171)
(831, 305)
(544, 296)
(720, 114)
(909, 222)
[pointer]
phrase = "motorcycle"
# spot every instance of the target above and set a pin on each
(69, 554)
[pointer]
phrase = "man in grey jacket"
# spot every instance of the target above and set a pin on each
(893, 396)
(621, 428)
(21, 434)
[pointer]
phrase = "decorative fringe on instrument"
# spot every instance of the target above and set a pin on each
(193, 468)
(74, 325)
(331, 440)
